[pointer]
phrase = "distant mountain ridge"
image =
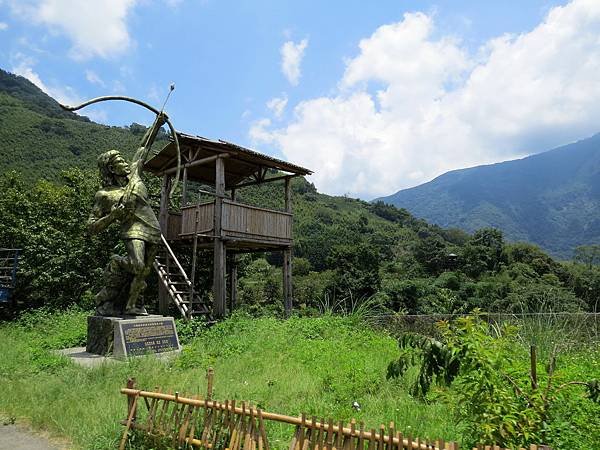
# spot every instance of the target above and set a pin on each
(551, 199)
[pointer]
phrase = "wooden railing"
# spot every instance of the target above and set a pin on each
(239, 221)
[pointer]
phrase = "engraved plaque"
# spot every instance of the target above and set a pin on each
(136, 337)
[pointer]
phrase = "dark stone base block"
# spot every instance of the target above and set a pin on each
(101, 334)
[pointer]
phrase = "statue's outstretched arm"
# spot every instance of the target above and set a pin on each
(141, 154)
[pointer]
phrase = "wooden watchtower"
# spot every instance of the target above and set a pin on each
(222, 224)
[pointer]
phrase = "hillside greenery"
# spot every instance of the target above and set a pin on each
(39, 139)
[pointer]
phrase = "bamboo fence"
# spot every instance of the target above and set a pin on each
(193, 422)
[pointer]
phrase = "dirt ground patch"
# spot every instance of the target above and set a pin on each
(20, 437)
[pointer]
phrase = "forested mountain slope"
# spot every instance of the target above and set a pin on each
(346, 251)
(39, 138)
(551, 199)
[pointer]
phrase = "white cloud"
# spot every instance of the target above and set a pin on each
(291, 58)
(412, 105)
(63, 94)
(118, 87)
(153, 93)
(277, 105)
(97, 29)
(3, 26)
(98, 115)
(259, 132)
(93, 78)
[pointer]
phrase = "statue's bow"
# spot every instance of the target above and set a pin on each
(145, 105)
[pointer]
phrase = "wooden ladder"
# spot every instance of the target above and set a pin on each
(177, 283)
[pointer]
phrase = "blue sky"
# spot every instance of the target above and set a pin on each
(372, 96)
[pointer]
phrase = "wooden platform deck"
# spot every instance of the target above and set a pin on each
(242, 226)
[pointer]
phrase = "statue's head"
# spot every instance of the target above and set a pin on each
(112, 165)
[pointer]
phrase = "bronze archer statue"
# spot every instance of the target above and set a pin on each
(123, 199)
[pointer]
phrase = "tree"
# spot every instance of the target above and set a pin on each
(430, 252)
(483, 252)
(587, 254)
(60, 261)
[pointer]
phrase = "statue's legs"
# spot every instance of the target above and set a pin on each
(141, 255)
(116, 279)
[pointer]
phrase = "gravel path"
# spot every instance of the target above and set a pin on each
(13, 437)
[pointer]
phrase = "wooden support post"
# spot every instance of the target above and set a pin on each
(233, 271)
(219, 291)
(184, 188)
(233, 282)
(287, 258)
(533, 360)
(163, 215)
(194, 259)
(163, 218)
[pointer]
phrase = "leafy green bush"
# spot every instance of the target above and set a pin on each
(501, 398)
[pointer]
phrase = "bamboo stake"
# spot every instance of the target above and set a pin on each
(233, 436)
(361, 439)
(131, 385)
(391, 433)
(248, 431)
(165, 406)
(232, 413)
(372, 440)
(152, 412)
(295, 438)
(329, 442)
(313, 433)
(263, 433)
(381, 443)
(340, 436)
(186, 424)
(129, 421)
(177, 424)
(349, 444)
(168, 426)
(322, 435)
(194, 419)
(210, 374)
(400, 441)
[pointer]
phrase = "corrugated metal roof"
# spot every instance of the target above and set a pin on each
(244, 154)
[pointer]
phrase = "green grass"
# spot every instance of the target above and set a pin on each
(313, 365)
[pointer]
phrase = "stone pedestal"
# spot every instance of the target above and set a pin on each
(131, 335)
(101, 334)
